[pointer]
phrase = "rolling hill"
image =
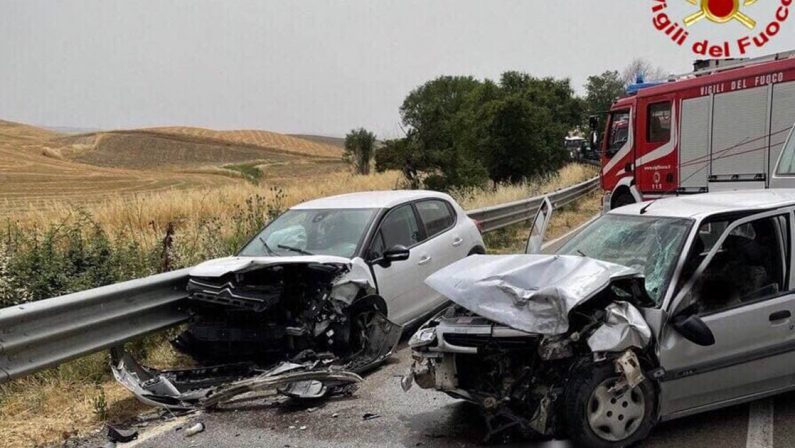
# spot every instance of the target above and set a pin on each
(39, 165)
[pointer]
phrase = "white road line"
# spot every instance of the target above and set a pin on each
(760, 424)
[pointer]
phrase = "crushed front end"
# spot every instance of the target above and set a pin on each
(303, 326)
(518, 376)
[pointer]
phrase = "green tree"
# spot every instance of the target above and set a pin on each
(521, 131)
(463, 132)
(601, 91)
(360, 149)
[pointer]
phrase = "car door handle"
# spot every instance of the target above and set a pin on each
(458, 241)
(424, 260)
(780, 315)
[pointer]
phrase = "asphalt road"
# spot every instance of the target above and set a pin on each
(421, 418)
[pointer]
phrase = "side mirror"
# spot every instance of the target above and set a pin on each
(395, 253)
(692, 328)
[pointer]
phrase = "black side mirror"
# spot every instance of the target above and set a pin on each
(398, 252)
(692, 328)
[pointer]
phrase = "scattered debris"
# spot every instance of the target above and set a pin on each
(121, 435)
(195, 429)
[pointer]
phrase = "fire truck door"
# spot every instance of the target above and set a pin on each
(694, 154)
(740, 140)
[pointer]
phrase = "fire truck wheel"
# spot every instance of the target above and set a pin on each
(623, 199)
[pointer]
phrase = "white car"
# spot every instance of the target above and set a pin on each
(319, 295)
(655, 311)
(399, 238)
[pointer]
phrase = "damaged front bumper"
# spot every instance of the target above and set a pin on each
(521, 327)
(208, 387)
(304, 327)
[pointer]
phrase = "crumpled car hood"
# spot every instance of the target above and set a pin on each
(222, 266)
(530, 293)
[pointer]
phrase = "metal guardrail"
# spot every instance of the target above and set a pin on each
(504, 215)
(43, 334)
(38, 335)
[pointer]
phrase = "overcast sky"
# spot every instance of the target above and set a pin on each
(309, 66)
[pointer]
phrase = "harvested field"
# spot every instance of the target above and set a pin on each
(263, 139)
(39, 168)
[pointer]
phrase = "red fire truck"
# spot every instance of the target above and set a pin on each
(720, 127)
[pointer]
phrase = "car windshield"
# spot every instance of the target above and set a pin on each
(651, 245)
(312, 232)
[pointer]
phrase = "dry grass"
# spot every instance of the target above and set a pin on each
(513, 239)
(45, 412)
(137, 213)
(568, 176)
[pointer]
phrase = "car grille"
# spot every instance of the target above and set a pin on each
(226, 291)
(484, 340)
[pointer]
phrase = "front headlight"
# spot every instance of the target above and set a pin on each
(423, 337)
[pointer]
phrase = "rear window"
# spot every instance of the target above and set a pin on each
(437, 216)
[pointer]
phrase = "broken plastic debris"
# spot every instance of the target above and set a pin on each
(195, 429)
(406, 381)
(121, 435)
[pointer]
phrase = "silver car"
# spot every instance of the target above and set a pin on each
(655, 311)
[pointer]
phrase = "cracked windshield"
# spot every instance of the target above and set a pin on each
(312, 232)
(649, 244)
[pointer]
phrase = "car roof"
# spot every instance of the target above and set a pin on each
(699, 206)
(372, 199)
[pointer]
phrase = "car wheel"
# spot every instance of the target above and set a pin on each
(598, 418)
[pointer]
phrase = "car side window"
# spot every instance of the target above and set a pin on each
(436, 215)
(398, 227)
(750, 265)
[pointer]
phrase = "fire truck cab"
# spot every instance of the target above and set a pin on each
(718, 128)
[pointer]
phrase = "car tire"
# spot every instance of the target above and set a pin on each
(596, 419)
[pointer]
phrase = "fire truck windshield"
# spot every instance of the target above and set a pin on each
(619, 131)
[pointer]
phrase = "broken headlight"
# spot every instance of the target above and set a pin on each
(423, 337)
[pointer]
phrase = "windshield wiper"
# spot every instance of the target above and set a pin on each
(267, 247)
(294, 249)
(581, 253)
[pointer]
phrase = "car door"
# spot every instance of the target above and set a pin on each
(401, 284)
(742, 292)
(444, 243)
(538, 228)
